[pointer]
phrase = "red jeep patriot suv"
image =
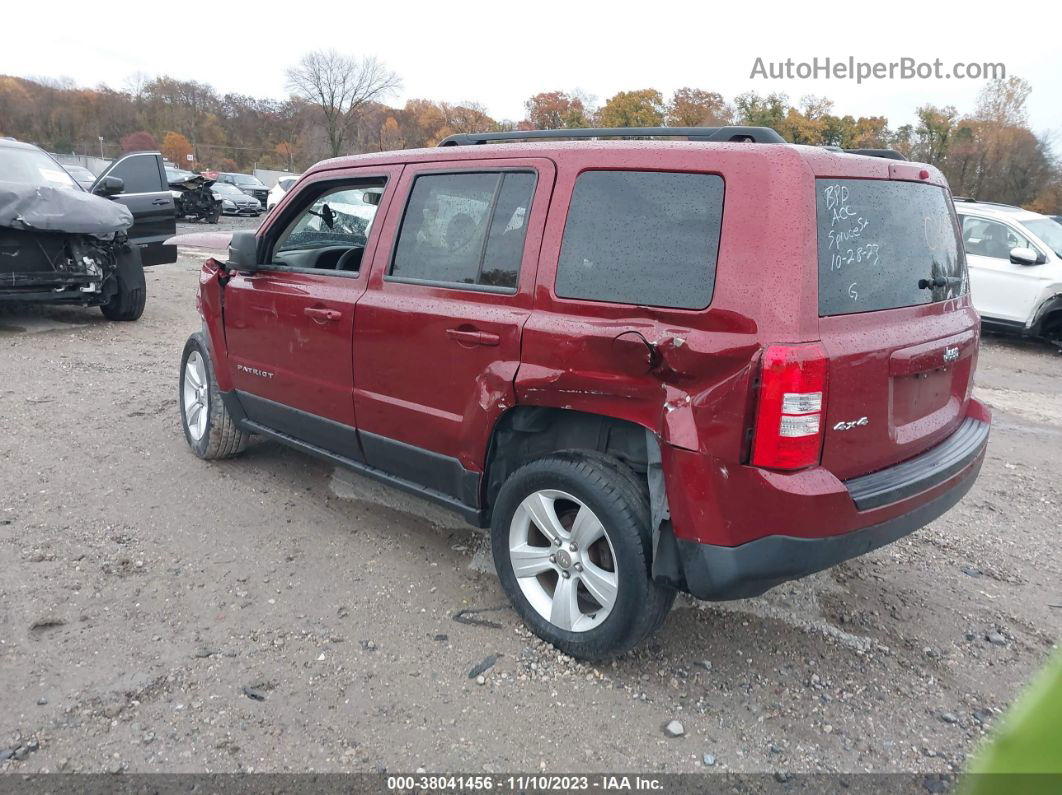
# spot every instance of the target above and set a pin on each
(709, 365)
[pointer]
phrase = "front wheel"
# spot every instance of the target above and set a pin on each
(209, 428)
(130, 296)
(571, 543)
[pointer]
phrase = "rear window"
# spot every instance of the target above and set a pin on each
(642, 237)
(884, 245)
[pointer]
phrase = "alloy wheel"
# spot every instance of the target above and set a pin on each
(563, 560)
(195, 396)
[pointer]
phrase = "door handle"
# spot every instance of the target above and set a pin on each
(473, 337)
(161, 202)
(321, 314)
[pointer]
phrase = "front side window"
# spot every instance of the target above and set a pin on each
(139, 173)
(642, 237)
(465, 228)
(986, 238)
(340, 218)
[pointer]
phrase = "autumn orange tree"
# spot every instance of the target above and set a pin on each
(176, 147)
(556, 110)
(694, 107)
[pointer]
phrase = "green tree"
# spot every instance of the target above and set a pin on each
(644, 108)
(756, 111)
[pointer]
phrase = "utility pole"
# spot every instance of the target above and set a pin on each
(101, 148)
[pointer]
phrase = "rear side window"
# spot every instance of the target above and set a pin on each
(642, 237)
(140, 173)
(465, 228)
(885, 245)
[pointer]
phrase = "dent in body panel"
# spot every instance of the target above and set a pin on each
(492, 396)
(209, 302)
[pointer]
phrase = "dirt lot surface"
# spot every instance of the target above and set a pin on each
(160, 613)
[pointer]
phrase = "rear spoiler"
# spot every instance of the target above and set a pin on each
(890, 154)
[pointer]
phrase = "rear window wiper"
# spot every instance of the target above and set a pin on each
(939, 281)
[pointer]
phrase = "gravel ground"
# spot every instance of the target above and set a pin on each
(165, 614)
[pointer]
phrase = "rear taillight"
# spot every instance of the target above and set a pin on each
(791, 407)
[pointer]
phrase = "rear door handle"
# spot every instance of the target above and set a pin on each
(321, 314)
(473, 337)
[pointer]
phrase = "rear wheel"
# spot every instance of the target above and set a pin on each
(571, 542)
(209, 428)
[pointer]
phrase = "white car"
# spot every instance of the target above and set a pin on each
(1015, 261)
(276, 193)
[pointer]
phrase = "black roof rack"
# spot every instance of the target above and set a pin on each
(758, 135)
(973, 200)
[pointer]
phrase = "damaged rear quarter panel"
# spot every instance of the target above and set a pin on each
(685, 375)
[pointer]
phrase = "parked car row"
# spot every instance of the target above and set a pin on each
(247, 183)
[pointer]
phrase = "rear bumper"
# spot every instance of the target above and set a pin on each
(911, 494)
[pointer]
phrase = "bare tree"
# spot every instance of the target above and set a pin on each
(340, 85)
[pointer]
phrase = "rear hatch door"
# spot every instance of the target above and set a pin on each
(895, 320)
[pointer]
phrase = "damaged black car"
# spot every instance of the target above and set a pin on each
(193, 195)
(60, 243)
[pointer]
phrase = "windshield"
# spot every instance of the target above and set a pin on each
(229, 190)
(244, 179)
(33, 167)
(1048, 231)
(342, 217)
(286, 182)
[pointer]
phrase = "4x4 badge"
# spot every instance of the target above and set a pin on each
(847, 426)
(951, 354)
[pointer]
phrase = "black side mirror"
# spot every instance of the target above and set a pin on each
(109, 186)
(1026, 256)
(243, 252)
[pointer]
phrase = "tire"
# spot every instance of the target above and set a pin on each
(214, 215)
(578, 617)
(128, 302)
(212, 433)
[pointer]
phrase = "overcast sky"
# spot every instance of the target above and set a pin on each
(498, 54)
